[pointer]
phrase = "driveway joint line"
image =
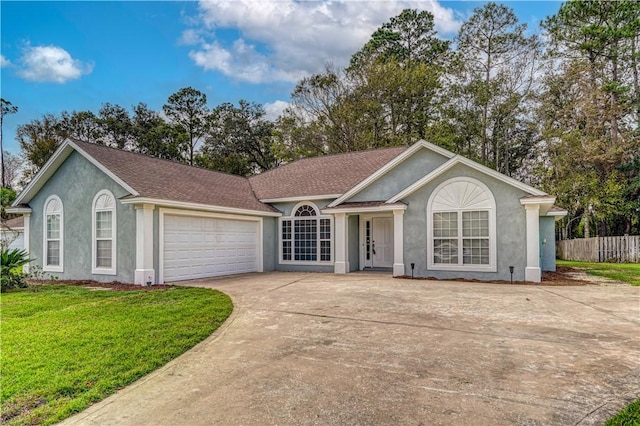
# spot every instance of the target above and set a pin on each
(431, 327)
(288, 284)
(601, 310)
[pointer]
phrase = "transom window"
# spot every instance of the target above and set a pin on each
(53, 235)
(461, 220)
(306, 236)
(104, 233)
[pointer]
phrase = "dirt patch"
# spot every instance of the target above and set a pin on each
(563, 276)
(95, 285)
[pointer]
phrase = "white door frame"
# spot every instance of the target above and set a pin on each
(176, 212)
(362, 246)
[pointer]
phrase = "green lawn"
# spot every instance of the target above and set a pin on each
(627, 272)
(66, 347)
(629, 416)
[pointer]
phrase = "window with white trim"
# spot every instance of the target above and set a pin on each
(305, 236)
(53, 235)
(461, 225)
(104, 233)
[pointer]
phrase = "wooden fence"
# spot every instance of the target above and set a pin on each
(601, 249)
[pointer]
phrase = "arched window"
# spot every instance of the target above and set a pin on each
(104, 233)
(53, 255)
(461, 217)
(306, 236)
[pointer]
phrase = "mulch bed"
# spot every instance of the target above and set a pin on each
(113, 285)
(559, 278)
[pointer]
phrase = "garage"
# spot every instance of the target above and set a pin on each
(204, 246)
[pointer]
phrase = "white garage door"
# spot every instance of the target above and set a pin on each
(200, 247)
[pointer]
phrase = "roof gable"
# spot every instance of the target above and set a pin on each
(53, 164)
(458, 159)
(377, 174)
(154, 178)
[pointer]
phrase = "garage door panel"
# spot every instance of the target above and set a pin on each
(199, 247)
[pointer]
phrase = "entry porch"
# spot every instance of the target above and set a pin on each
(380, 236)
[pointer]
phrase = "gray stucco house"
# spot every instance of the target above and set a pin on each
(99, 213)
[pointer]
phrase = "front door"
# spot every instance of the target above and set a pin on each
(381, 242)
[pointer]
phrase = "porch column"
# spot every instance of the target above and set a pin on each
(26, 235)
(398, 243)
(341, 265)
(532, 271)
(144, 244)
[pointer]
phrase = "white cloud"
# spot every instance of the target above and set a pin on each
(283, 40)
(4, 62)
(51, 64)
(273, 110)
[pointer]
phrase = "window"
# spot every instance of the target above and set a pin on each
(104, 234)
(53, 235)
(306, 236)
(461, 225)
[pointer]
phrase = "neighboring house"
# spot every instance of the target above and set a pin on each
(12, 233)
(99, 213)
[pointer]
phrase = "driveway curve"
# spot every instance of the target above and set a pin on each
(361, 349)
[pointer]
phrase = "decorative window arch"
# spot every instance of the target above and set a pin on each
(305, 236)
(53, 235)
(461, 226)
(103, 233)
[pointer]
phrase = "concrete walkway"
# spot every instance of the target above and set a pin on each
(320, 349)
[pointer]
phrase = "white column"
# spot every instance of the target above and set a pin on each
(341, 266)
(398, 242)
(26, 235)
(532, 271)
(144, 245)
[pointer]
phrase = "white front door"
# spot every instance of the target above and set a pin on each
(381, 242)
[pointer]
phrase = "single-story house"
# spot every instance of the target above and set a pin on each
(12, 233)
(100, 213)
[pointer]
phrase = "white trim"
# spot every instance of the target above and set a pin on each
(18, 210)
(423, 181)
(292, 218)
(114, 232)
(390, 165)
(26, 235)
(196, 206)
(376, 209)
(479, 167)
(144, 272)
(300, 198)
(532, 270)
(341, 262)
(106, 171)
(50, 167)
(398, 243)
(492, 266)
(60, 266)
(175, 212)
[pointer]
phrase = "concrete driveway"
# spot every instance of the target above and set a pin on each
(319, 349)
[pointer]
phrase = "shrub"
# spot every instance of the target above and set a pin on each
(11, 275)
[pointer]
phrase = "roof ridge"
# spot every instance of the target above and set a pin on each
(337, 154)
(155, 158)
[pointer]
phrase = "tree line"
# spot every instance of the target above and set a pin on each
(560, 110)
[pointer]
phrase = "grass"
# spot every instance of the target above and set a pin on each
(626, 272)
(629, 416)
(66, 347)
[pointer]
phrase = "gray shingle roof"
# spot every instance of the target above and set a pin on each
(330, 174)
(167, 180)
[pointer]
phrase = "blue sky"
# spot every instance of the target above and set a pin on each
(70, 56)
